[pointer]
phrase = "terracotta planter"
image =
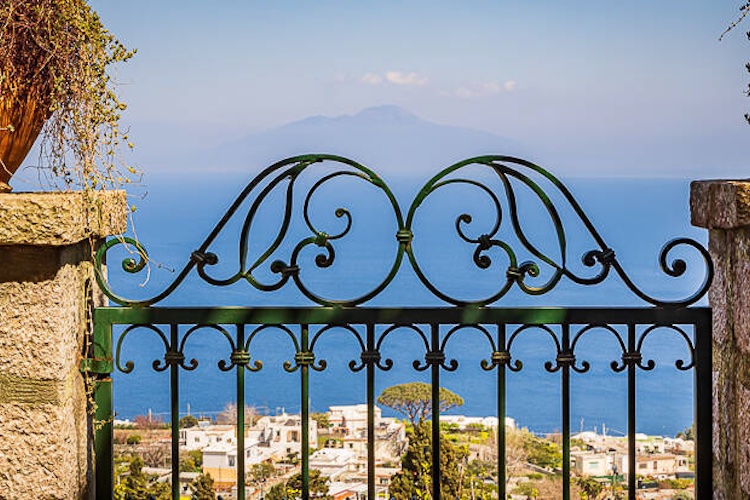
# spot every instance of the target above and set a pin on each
(26, 117)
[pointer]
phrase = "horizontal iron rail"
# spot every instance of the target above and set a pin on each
(393, 315)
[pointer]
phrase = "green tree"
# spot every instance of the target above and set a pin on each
(293, 487)
(414, 400)
(276, 492)
(474, 475)
(541, 452)
(321, 419)
(688, 434)
(188, 421)
(202, 488)
(260, 473)
(318, 486)
(137, 486)
(415, 480)
(526, 489)
(192, 461)
(134, 439)
(590, 487)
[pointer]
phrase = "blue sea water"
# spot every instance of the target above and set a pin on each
(635, 217)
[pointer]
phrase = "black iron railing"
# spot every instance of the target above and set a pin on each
(436, 328)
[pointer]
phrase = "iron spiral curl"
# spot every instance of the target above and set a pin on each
(506, 234)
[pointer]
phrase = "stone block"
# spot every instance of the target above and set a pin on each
(721, 204)
(44, 449)
(47, 288)
(54, 219)
(44, 315)
(744, 439)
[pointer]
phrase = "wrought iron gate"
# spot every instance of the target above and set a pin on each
(435, 327)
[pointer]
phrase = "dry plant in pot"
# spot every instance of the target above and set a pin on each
(55, 79)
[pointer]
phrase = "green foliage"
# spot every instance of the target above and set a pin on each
(451, 428)
(526, 489)
(321, 419)
(675, 484)
(688, 434)
(56, 57)
(261, 472)
(192, 461)
(293, 487)
(202, 488)
(276, 492)
(134, 439)
(476, 428)
(188, 421)
(682, 495)
(135, 485)
(474, 475)
(590, 487)
(414, 400)
(542, 453)
(579, 443)
(414, 480)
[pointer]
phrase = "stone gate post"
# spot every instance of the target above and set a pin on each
(47, 289)
(723, 207)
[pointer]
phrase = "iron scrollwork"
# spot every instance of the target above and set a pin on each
(513, 174)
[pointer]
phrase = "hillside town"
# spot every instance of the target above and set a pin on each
(338, 450)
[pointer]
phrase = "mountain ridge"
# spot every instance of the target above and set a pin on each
(388, 138)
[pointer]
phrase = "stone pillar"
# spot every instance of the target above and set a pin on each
(723, 207)
(47, 289)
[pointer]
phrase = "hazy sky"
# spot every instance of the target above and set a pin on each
(638, 87)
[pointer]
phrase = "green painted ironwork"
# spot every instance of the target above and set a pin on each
(510, 171)
(436, 328)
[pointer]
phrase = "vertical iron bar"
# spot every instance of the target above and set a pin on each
(632, 484)
(566, 413)
(703, 407)
(501, 461)
(101, 350)
(435, 366)
(305, 395)
(240, 416)
(175, 412)
(371, 415)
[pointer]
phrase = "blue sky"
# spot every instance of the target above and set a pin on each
(595, 88)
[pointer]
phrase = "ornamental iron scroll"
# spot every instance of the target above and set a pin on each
(516, 177)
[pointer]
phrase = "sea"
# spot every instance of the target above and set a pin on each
(635, 217)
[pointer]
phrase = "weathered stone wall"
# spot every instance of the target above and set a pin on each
(46, 290)
(723, 207)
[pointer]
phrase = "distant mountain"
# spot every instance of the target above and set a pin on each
(386, 138)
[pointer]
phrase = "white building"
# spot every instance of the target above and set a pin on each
(200, 437)
(661, 466)
(350, 419)
(590, 463)
(283, 433)
(350, 424)
(273, 438)
(462, 421)
(334, 462)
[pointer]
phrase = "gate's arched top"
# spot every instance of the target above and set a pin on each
(511, 176)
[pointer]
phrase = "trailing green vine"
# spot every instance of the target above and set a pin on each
(56, 59)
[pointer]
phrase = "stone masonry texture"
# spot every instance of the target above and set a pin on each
(46, 290)
(723, 207)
